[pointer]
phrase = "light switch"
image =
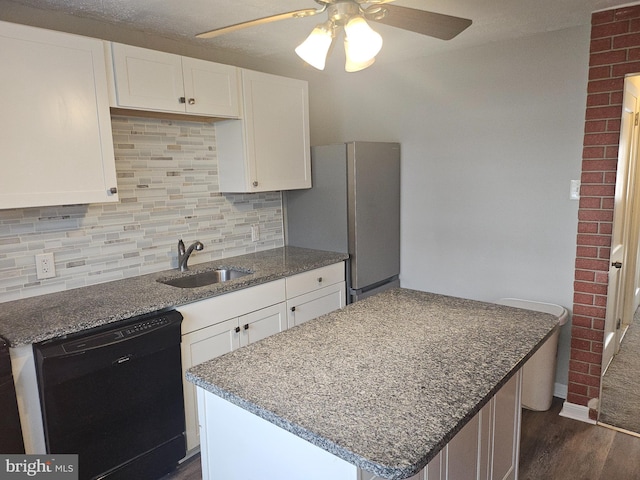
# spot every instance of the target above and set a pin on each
(574, 190)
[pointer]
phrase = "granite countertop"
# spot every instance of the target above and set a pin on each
(384, 383)
(40, 318)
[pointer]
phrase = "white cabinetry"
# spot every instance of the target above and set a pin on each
(486, 448)
(314, 293)
(268, 149)
(157, 81)
(218, 325)
(55, 128)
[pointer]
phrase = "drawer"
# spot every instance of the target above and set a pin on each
(314, 279)
(214, 310)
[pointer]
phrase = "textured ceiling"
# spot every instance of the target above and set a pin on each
(493, 20)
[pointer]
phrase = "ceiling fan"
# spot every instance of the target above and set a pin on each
(362, 43)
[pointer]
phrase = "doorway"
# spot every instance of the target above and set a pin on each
(623, 296)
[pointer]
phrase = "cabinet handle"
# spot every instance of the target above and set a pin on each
(237, 329)
(182, 100)
(616, 264)
(192, 101)
(246, 326)
(255, 184)
(319, 279)
(293, 309)
(113, 190)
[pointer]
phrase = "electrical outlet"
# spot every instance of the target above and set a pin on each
(255, 233)
(45, 266)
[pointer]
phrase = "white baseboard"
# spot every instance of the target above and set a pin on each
(560, 390)
(576, 412)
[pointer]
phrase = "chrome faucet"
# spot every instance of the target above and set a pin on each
(183, 255)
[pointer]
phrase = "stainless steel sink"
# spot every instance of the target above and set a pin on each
(205, 278)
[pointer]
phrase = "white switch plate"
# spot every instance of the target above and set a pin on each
(45, 266)
(574, 190)
(255, 233)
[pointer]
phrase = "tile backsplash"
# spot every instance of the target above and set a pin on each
(168, 189)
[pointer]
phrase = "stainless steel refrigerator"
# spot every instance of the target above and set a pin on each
(353, 207)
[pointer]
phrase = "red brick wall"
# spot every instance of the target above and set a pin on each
(615, 52)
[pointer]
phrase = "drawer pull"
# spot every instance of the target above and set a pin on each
(246, 326)
(293, 309)
(237, 329)
(319, 279)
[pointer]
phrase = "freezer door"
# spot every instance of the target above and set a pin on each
(317, 217)
(373, 176)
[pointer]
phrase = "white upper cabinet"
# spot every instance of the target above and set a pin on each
(268, 149)
(55, 127)
(157, 81)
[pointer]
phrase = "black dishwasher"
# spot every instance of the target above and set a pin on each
(113, 395)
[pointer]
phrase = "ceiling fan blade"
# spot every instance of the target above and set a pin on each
(437, 25)
(307, 12)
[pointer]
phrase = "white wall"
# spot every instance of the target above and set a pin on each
(491, 137)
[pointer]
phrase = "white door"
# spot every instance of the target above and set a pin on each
(277, 128)
(462, 461)
(210, 88)
(620, 236)
(262, 324)
(198, 347)
(313, 304)
(148, 79)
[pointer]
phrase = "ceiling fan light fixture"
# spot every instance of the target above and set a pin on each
(361, 43)
(351, 66)
(316, 46)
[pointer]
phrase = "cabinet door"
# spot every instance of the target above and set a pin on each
(278, 131)
(55, 127)
(147, 79)
(262, 324)
(433, 471)
(268, 149)
(198, 347)
(506, 430)
(210, 88)
(462, 452)
(313, 304)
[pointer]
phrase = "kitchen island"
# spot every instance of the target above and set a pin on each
(381, 386)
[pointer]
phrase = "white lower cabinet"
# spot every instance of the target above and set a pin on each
(218, 325)
(314, 293)
(486, 448)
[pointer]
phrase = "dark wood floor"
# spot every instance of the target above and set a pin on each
(551, 448)
(557, 448)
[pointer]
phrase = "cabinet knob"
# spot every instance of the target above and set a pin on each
(246, 326)
(182, 100)
(192, 101)
(237, 329)
(113, 190)
(319, 279)
(293, 309)
(255, 184)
